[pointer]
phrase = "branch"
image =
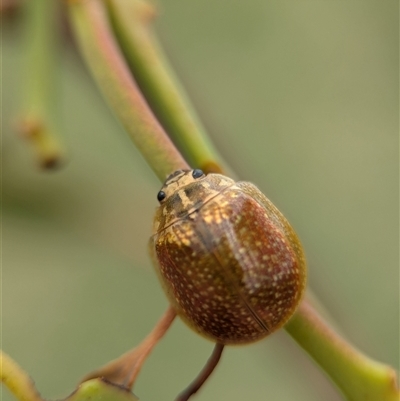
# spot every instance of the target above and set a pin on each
(37, 123)
(162, 89)
(23, 388)
(104, 59)
(359, 377)
(16, 379)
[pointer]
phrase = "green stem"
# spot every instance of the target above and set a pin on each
(101, 390)
(17, 381)
(104, 59)
(159, 84)
(23, 388)
(359, 377)
(38, 122)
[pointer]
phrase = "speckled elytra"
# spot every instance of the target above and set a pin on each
(230, 263)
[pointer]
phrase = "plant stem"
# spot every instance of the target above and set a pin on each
(103, 57)
(124, 370)
(17, 381)
(159, 84)
(205, 373)
(359, 377)
(38, 122)
(100, 390)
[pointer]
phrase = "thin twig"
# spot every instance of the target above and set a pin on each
(353, 372)
(103, 57)
(162, 89)
(124, 370)
(204, 374)
(16, 380)
(38, 121)
(359, 377)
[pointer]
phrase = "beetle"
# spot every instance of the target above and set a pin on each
(230, 263)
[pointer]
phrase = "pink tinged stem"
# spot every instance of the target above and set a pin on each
(101, 52)
(204, 374)
(124, 370)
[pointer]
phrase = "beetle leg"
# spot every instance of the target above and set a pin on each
(204, 374)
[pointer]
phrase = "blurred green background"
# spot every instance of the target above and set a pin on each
(301, 97)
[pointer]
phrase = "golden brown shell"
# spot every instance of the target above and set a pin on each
(230, 263)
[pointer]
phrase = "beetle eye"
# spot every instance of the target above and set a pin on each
(197, 173)
(161, 196)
